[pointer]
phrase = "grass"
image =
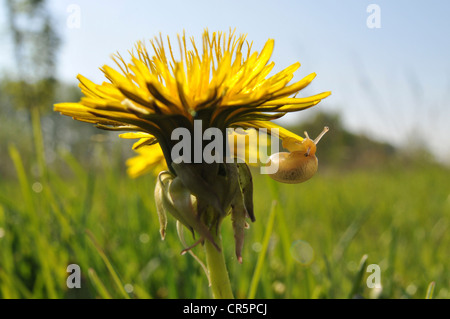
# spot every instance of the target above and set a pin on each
(312, 240)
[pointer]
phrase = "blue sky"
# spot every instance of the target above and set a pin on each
(392, 82)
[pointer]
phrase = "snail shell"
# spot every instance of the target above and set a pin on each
(294, 167)
(300, 163)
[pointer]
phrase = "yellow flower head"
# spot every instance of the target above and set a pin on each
(221, 82)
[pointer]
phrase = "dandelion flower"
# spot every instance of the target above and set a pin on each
(220, 82)
(223, 83)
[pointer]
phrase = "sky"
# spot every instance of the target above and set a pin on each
(391, 82)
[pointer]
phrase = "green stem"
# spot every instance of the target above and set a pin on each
(218, 273)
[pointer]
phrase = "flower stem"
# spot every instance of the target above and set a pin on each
(218, 273)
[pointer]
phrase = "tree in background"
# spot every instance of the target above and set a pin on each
(29, 85)
(35, 45)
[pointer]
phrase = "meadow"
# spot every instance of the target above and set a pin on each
(374, 212)
(310, 240)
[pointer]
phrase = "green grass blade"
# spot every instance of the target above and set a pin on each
(23, 179)
(430, 290)
(98, 284)
(108, 264)
(38, 141)
(261, 258)
(349, 234)
(359, 277)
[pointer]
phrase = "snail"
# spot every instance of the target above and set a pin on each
(300, 163)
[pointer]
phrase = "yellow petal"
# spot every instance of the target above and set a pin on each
(272, 129)
(295, 87)
(132, 135)
(287, 101)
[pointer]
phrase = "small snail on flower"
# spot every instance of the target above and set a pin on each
(300, 163)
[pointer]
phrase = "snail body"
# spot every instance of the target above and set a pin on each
(300, 163)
